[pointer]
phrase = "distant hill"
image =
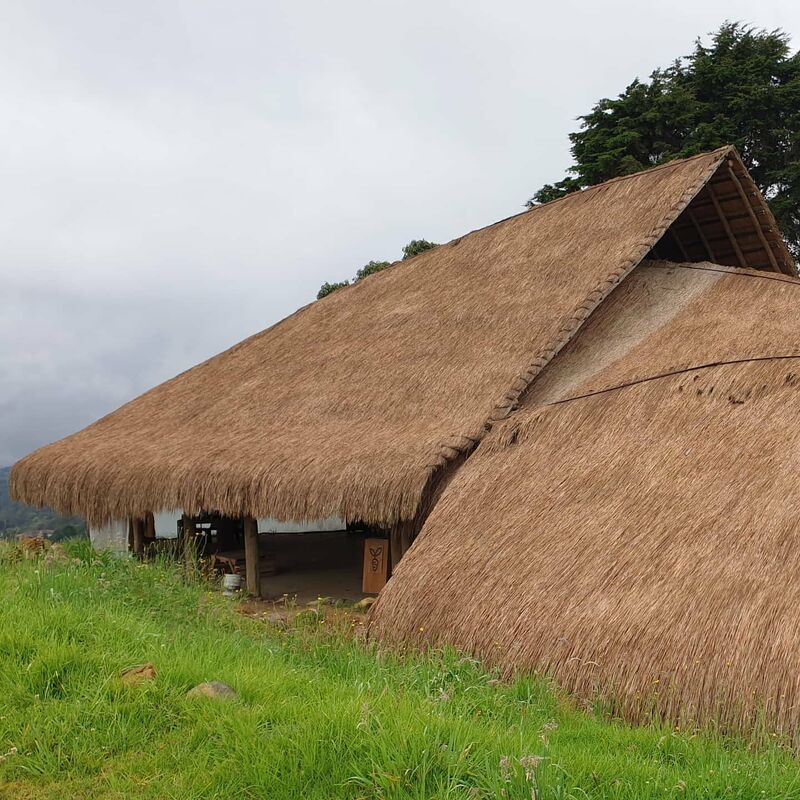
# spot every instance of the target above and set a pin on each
(17, 517)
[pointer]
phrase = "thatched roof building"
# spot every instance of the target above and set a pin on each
(353, 405)
(588, 406)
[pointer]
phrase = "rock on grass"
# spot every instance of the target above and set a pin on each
(214, 689)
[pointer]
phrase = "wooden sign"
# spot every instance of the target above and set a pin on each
(376, 565)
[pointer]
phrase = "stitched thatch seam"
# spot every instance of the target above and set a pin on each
(698, 556)
(673, 373)
(601, 292)
(738, 272)
(591, 302)
(451, 457)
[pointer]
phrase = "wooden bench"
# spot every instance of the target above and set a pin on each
(233, 562)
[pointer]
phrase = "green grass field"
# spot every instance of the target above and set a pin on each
(320, 714)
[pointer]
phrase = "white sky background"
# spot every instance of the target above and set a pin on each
(176, 175)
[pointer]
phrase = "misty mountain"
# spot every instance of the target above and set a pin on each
(17, 517)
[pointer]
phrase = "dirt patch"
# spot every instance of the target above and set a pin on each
(334, 615)
(314, 565)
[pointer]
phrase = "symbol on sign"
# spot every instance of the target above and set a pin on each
(376, 553)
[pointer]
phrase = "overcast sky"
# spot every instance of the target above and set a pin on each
(175, 176)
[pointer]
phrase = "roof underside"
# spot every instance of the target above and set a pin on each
(728, 223)
(632, 530)
(353, 405)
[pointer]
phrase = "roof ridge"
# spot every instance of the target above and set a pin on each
(595, 298)
(657, 168)
(725, 149)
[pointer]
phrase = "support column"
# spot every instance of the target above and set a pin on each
(395, 548)
(187, 529)
(150, 527)
(137, 525)
(407, 532)
(401, 537)
(252, 557)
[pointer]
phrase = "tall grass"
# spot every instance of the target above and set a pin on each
(320, 714)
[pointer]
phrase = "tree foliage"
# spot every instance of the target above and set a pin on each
(413, 248)
(741, 89)
(327, 288)
(370, 269)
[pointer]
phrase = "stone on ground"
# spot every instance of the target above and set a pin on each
(138, 674)
(214, 689)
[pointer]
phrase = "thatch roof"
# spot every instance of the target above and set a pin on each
(632, 529)
(354, 405)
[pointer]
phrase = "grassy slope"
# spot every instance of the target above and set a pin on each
(320, 715)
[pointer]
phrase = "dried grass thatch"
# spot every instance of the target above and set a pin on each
(632, 529)
(354, 405)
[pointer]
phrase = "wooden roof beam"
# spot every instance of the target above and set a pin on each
(702, 236)
(726, 225)
(731, 218)
(252, 557)
(700, 203)
(679, 243)
(756, 223)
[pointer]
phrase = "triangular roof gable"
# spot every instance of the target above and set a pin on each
(355, 404)
(729, 223)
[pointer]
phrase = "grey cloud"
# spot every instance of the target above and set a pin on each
(178, 174)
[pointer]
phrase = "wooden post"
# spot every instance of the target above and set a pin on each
(407, 535)
(251, 557)
(395, 547)
(376, 566)
(150, 527)
(699, 229)
(677, 240)
(138, 536)
(401, 537)
(187, 531)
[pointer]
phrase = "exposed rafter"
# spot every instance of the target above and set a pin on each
(679, 244)
(756, 224)
(726, 225)
(701, 235)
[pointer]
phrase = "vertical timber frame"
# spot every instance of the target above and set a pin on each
(150, 527)
(137, 530)
(726, 225)
(187, 525)
(252, 557)
(756, 224)
(401, 538)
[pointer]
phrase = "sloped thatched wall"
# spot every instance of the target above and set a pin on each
(639, 543)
